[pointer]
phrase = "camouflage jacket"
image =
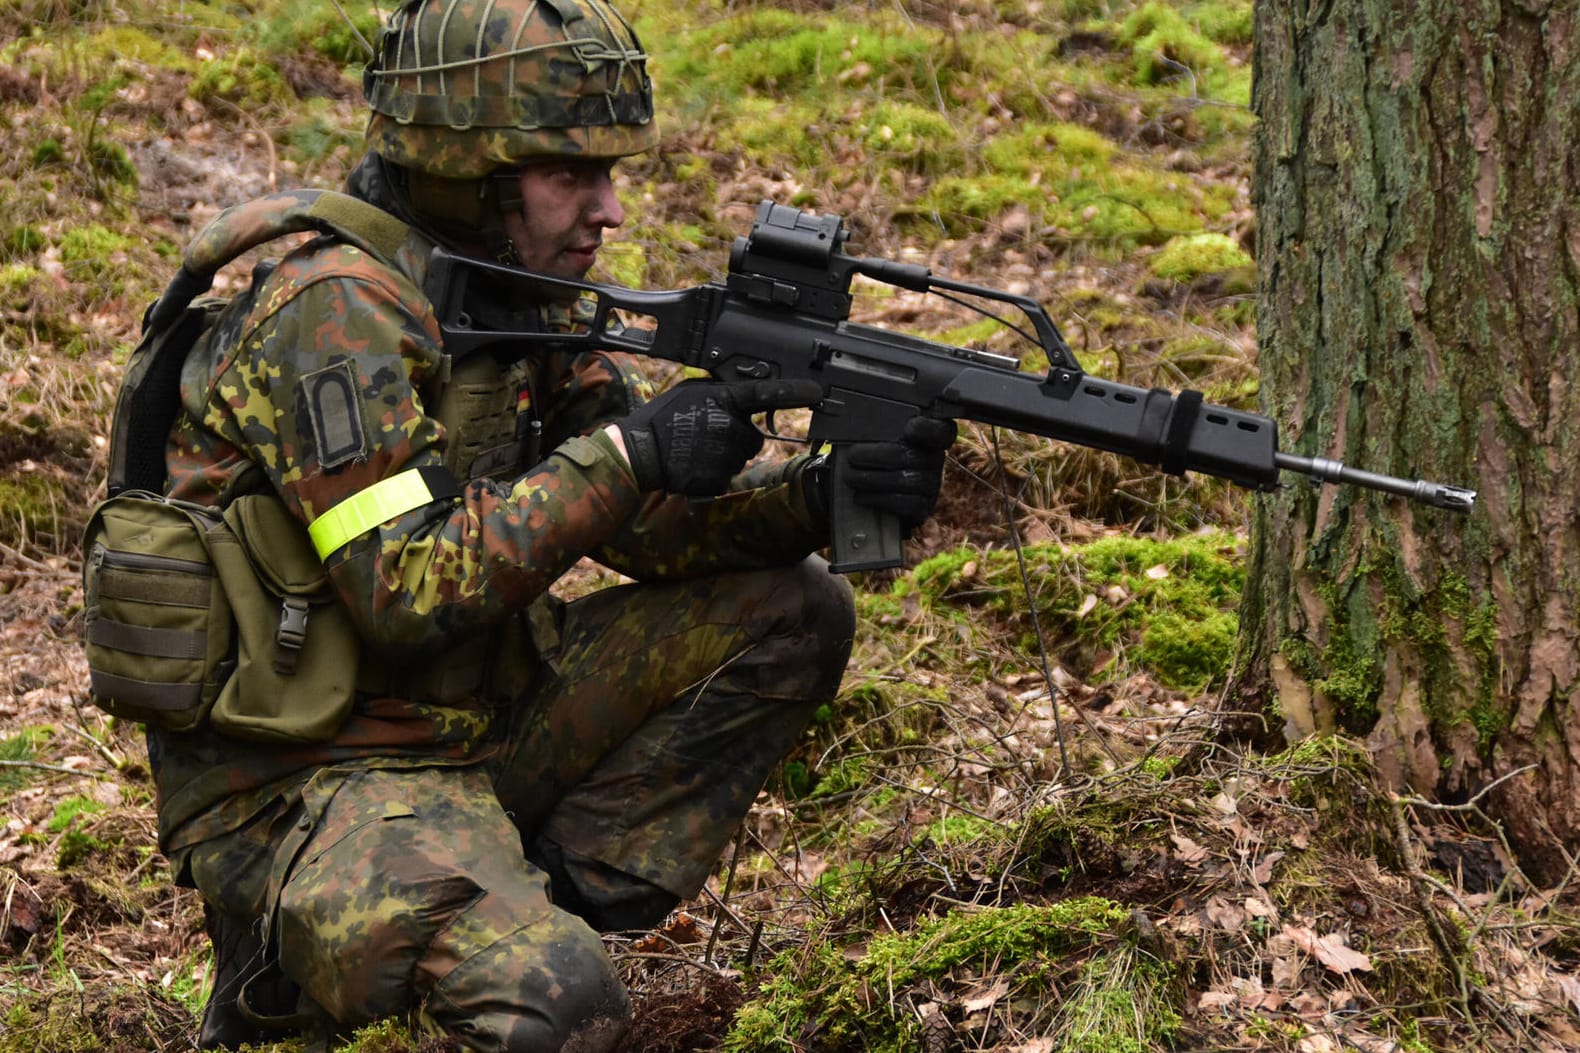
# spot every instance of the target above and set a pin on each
(434, 580)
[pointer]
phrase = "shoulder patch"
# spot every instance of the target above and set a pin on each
(329, 398)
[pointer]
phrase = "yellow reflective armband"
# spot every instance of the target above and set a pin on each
(379, 503)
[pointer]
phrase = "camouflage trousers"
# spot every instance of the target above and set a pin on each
(471, 897)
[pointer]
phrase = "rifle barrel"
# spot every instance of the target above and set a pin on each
(1322, 470)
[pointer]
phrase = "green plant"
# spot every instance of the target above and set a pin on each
(1193, 255)
(830, 990)
(244, 79)
(19, 749)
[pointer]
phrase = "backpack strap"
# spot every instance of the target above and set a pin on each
(243, 227)
(150, 392)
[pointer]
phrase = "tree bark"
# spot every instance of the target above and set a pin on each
(1418, 200)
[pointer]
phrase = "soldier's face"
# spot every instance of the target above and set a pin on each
(567, 204)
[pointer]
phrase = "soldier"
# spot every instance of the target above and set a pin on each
(515, 773)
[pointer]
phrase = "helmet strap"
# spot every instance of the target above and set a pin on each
(467, 213)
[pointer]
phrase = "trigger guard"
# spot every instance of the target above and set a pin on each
(769, 431)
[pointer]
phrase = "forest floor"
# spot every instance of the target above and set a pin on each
(984, 848)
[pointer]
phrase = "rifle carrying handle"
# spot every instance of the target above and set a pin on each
(860, 537)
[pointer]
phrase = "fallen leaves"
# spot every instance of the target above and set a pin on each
(1332, 950)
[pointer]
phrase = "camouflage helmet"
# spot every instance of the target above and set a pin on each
(463, 88)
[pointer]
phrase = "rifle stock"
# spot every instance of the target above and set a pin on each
(783, 312)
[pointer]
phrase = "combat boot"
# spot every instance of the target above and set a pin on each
(609, 900)
(250, 997)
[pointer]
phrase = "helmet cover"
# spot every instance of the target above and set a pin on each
(463, 88)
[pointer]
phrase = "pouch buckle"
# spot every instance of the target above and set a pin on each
(291, 635)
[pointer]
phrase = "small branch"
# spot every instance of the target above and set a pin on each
(103, 750)
(722, 902)
(1420, 884)
(1473, 807)
(26, 561)
(41, 766)
(1470, 805)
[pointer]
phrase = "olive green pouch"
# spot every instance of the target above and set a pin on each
(296, 647)
(158, 621)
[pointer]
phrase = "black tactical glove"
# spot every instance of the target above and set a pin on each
(901, 477)
(694, 437)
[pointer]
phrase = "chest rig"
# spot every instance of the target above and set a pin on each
(490, 417)
(485, 404)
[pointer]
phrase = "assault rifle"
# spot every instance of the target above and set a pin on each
(783, 312)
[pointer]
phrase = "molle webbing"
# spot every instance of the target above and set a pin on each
(158, 622)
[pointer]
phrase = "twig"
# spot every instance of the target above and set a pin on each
(261, 132)
(1473, 806)
(659, 956)
(41, 766)
(101, 748)
(1470, 805)
(355, 31)
(721, 903)
(1419, 884)
(27, 561)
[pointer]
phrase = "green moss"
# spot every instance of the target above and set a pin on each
(17, 281)
(95, 258)
(1167, 606)
(73, 844)
(1230, 22)
(773, 133)
(1119, 1004)
(624, 263)
(1188, 652)
(386, 1036)
(1124, 202)
(961, 829)
(318, 135)
(1161, 40)
(91, 244)
(917, 138)
(785, 54)
(858, 1000)
(1352, 682)
(23, 240)
(841, 776)
(1045, 147)
(1438, 625)
(38, 506)
(68, 810)
(48, 152)
(317, 25)
(76, 847)
(111, 161)
(130, 43)
(243, 78)
(1324, 773)
(1191, 256)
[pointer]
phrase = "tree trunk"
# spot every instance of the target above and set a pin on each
(1417, 174)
